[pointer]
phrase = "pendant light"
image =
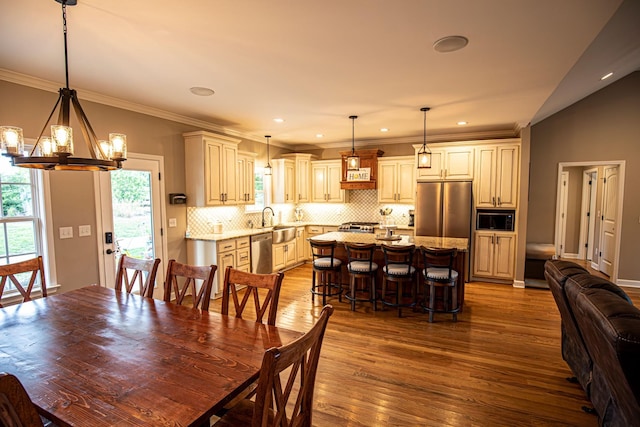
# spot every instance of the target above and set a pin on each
(267, 169)
(424, 155)
(353, 161)
(56, 152)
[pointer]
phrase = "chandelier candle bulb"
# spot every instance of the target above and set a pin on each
(106, 148)
(62, 139)
(11, 139)
(118, 146)
(46, 146)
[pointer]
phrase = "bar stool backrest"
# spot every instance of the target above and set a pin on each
(321, 249)
(399, 257)
(360, 253)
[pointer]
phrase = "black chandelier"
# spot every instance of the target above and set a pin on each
(55, 152)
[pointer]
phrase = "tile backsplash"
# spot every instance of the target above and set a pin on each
(362, 206)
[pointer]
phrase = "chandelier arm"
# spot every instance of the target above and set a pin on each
(33, 149)
(90, 137)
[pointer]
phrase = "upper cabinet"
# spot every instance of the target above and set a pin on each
(497, 176)
(325, 181)
(396, 180)
(210, 169)
(368, 159)
(302, 173)
(283, 181)
(246, 177)
(447, 163)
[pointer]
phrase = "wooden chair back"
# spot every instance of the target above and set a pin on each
(442, 259)
(361, 253)
(142, 271)
(33, 266)
(183, 280)
(322, 249)
(240, 286)
(302, 357)
(16, 408)
(400, 257)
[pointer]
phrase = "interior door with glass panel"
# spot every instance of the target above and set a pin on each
(132, 217)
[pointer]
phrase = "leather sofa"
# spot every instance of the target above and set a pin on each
(600, 340)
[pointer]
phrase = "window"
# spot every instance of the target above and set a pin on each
(20, 226)
(260, 192)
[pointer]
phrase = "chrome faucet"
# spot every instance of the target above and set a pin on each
(272, 214)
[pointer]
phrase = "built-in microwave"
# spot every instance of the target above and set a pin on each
(495, 220)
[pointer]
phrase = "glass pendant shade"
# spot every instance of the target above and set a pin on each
(424, 155)
(62, 139)
(11, 140)
(353, 161)
(46, 146)
(118, 142)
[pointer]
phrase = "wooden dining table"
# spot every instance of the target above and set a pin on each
(97, 357)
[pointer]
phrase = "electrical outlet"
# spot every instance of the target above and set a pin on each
(173, 222)
(84, 230)
(66, 232)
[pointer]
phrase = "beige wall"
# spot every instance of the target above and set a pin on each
(72, 193)
(602, 127)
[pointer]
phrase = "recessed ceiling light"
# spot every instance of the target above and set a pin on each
(450, 44)
(384, 129)
(462, 123)
(278, 120)
(606, 76)
(201, 91)
(319, 135)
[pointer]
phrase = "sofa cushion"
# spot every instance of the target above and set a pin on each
(560, 271)
(610, 327)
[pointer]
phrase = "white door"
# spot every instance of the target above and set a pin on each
(609, 214)
(562, 213)
(131, 216)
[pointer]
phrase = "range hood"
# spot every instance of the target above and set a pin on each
(366, 177)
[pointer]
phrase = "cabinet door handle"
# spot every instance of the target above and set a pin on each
(499, 202)
(493, 201)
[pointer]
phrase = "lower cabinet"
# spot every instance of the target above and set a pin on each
(300, 245)
(494, 255)
(234, 253)
(284, 255)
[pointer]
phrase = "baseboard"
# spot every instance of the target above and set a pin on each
(518, 283)
(629, 283)
(595, 266)
(570, 256)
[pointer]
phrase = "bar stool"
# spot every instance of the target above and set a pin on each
(438, 272)
(398, 268)
(361, 268)
(328, 270)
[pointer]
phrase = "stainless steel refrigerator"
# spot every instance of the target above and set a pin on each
(443, 209)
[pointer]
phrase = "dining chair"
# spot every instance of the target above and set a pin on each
(438, 272)
(183, 277)
(33, 266)
(361, 268)
(16, 407)
(240, 286)
(143, 272)
(326, 279)
(398, 269)
(274, 406)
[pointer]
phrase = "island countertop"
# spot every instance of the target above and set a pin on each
(461, 244)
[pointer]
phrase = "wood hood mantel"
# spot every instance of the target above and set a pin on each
(368, 159)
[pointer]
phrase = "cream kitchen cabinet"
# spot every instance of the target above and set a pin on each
(283, 181)
(246, 177)
(284, 255)
(325, 185)
(235, 253)
(396, 180)
(302, 173)
(497, 174)
(300, 244)
(210, 169)
(448, 163)
(494, 255)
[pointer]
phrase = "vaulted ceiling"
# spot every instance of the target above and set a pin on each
(315, 63)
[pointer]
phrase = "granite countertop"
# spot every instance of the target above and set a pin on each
(246, 232)
(460, 244)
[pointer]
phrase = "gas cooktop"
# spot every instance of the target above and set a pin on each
(358, 227)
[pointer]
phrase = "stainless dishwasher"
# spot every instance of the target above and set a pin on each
(261, 253)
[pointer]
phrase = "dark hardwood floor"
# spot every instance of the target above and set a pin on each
(499, 365)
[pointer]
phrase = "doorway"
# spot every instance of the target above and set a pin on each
(598, 239)
(131, 215)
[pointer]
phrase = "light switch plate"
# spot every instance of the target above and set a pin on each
(173, 222)
(84, 230)
(66, 232)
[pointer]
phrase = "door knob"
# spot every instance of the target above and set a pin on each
(109, 251)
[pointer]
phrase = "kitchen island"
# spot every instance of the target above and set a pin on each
(461, 244)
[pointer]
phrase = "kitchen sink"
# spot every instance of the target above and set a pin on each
(283, 234)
